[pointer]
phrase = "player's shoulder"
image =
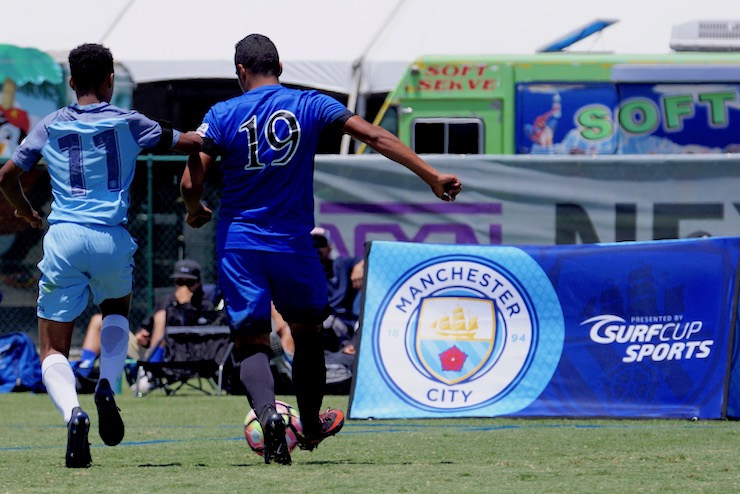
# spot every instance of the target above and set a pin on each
(126, 113)
(52, 117)
(226, 106)
(305, 93)
(95, 112)
(115, 109)
(308, 99)
(133, 118)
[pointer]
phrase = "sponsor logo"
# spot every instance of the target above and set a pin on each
(657, 338)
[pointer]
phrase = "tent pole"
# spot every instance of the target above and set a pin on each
(116, 21)
(357, 73)
(352, 102)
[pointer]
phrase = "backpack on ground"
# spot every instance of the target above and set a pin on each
(20, 365)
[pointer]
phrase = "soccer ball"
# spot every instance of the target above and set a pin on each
(253, 428)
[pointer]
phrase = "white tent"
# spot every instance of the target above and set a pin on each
(337, 45)
(318, 40)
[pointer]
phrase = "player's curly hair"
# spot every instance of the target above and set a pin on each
(258, 54)
(89, 65)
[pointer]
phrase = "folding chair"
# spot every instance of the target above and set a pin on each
(192, 353)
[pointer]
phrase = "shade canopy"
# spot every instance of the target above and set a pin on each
(323, 43)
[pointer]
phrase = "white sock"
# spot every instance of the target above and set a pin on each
(60, 382)
(113, 347)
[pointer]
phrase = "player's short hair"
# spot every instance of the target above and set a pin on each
(89, 65)
(258, 54)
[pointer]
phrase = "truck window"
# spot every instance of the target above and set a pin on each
(447, 136)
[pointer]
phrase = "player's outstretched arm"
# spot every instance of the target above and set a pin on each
(189, 142)
(444, 185)
(191, 189)
(11, 187)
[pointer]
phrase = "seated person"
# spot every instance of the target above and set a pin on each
(187, 305)
(344, 277)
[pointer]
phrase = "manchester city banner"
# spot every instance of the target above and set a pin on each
(634, 329)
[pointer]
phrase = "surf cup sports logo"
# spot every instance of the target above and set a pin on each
(466, 333)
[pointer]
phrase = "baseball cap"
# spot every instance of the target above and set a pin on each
(187, 269)
(320, 237)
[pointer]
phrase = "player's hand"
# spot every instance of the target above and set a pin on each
(200, 217)
(32, 218)
(447, 187)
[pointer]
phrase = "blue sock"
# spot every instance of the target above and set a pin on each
(157, 355)
(87, 361)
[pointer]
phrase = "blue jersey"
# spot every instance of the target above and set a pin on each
(91, 155)
(267, 139)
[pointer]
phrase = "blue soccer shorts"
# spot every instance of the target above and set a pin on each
(251, 279)
(79, 260)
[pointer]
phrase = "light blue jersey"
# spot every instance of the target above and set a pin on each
(91, 154)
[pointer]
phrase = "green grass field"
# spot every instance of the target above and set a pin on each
(195, 443)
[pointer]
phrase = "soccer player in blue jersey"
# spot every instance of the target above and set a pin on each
(267, 140)
(90, 149)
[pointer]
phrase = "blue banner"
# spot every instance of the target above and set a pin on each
(626, 118)
(634, 329)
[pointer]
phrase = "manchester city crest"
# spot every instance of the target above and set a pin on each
(461, 333)
(455, 336)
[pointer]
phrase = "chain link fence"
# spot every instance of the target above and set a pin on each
(156, 221)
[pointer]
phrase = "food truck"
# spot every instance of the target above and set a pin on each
(568, 103)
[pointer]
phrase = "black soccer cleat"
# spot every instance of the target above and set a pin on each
(331, 422)
(276, 447)
(78, 449)
(110, 424)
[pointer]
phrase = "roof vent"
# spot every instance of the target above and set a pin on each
(706, 36)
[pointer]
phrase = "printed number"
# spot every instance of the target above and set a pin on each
(108, 141)
(289, 143)
(72, 143)
(250, 127)
(518, 337)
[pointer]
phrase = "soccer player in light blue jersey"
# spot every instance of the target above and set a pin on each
(90, 149)
(267, 140)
